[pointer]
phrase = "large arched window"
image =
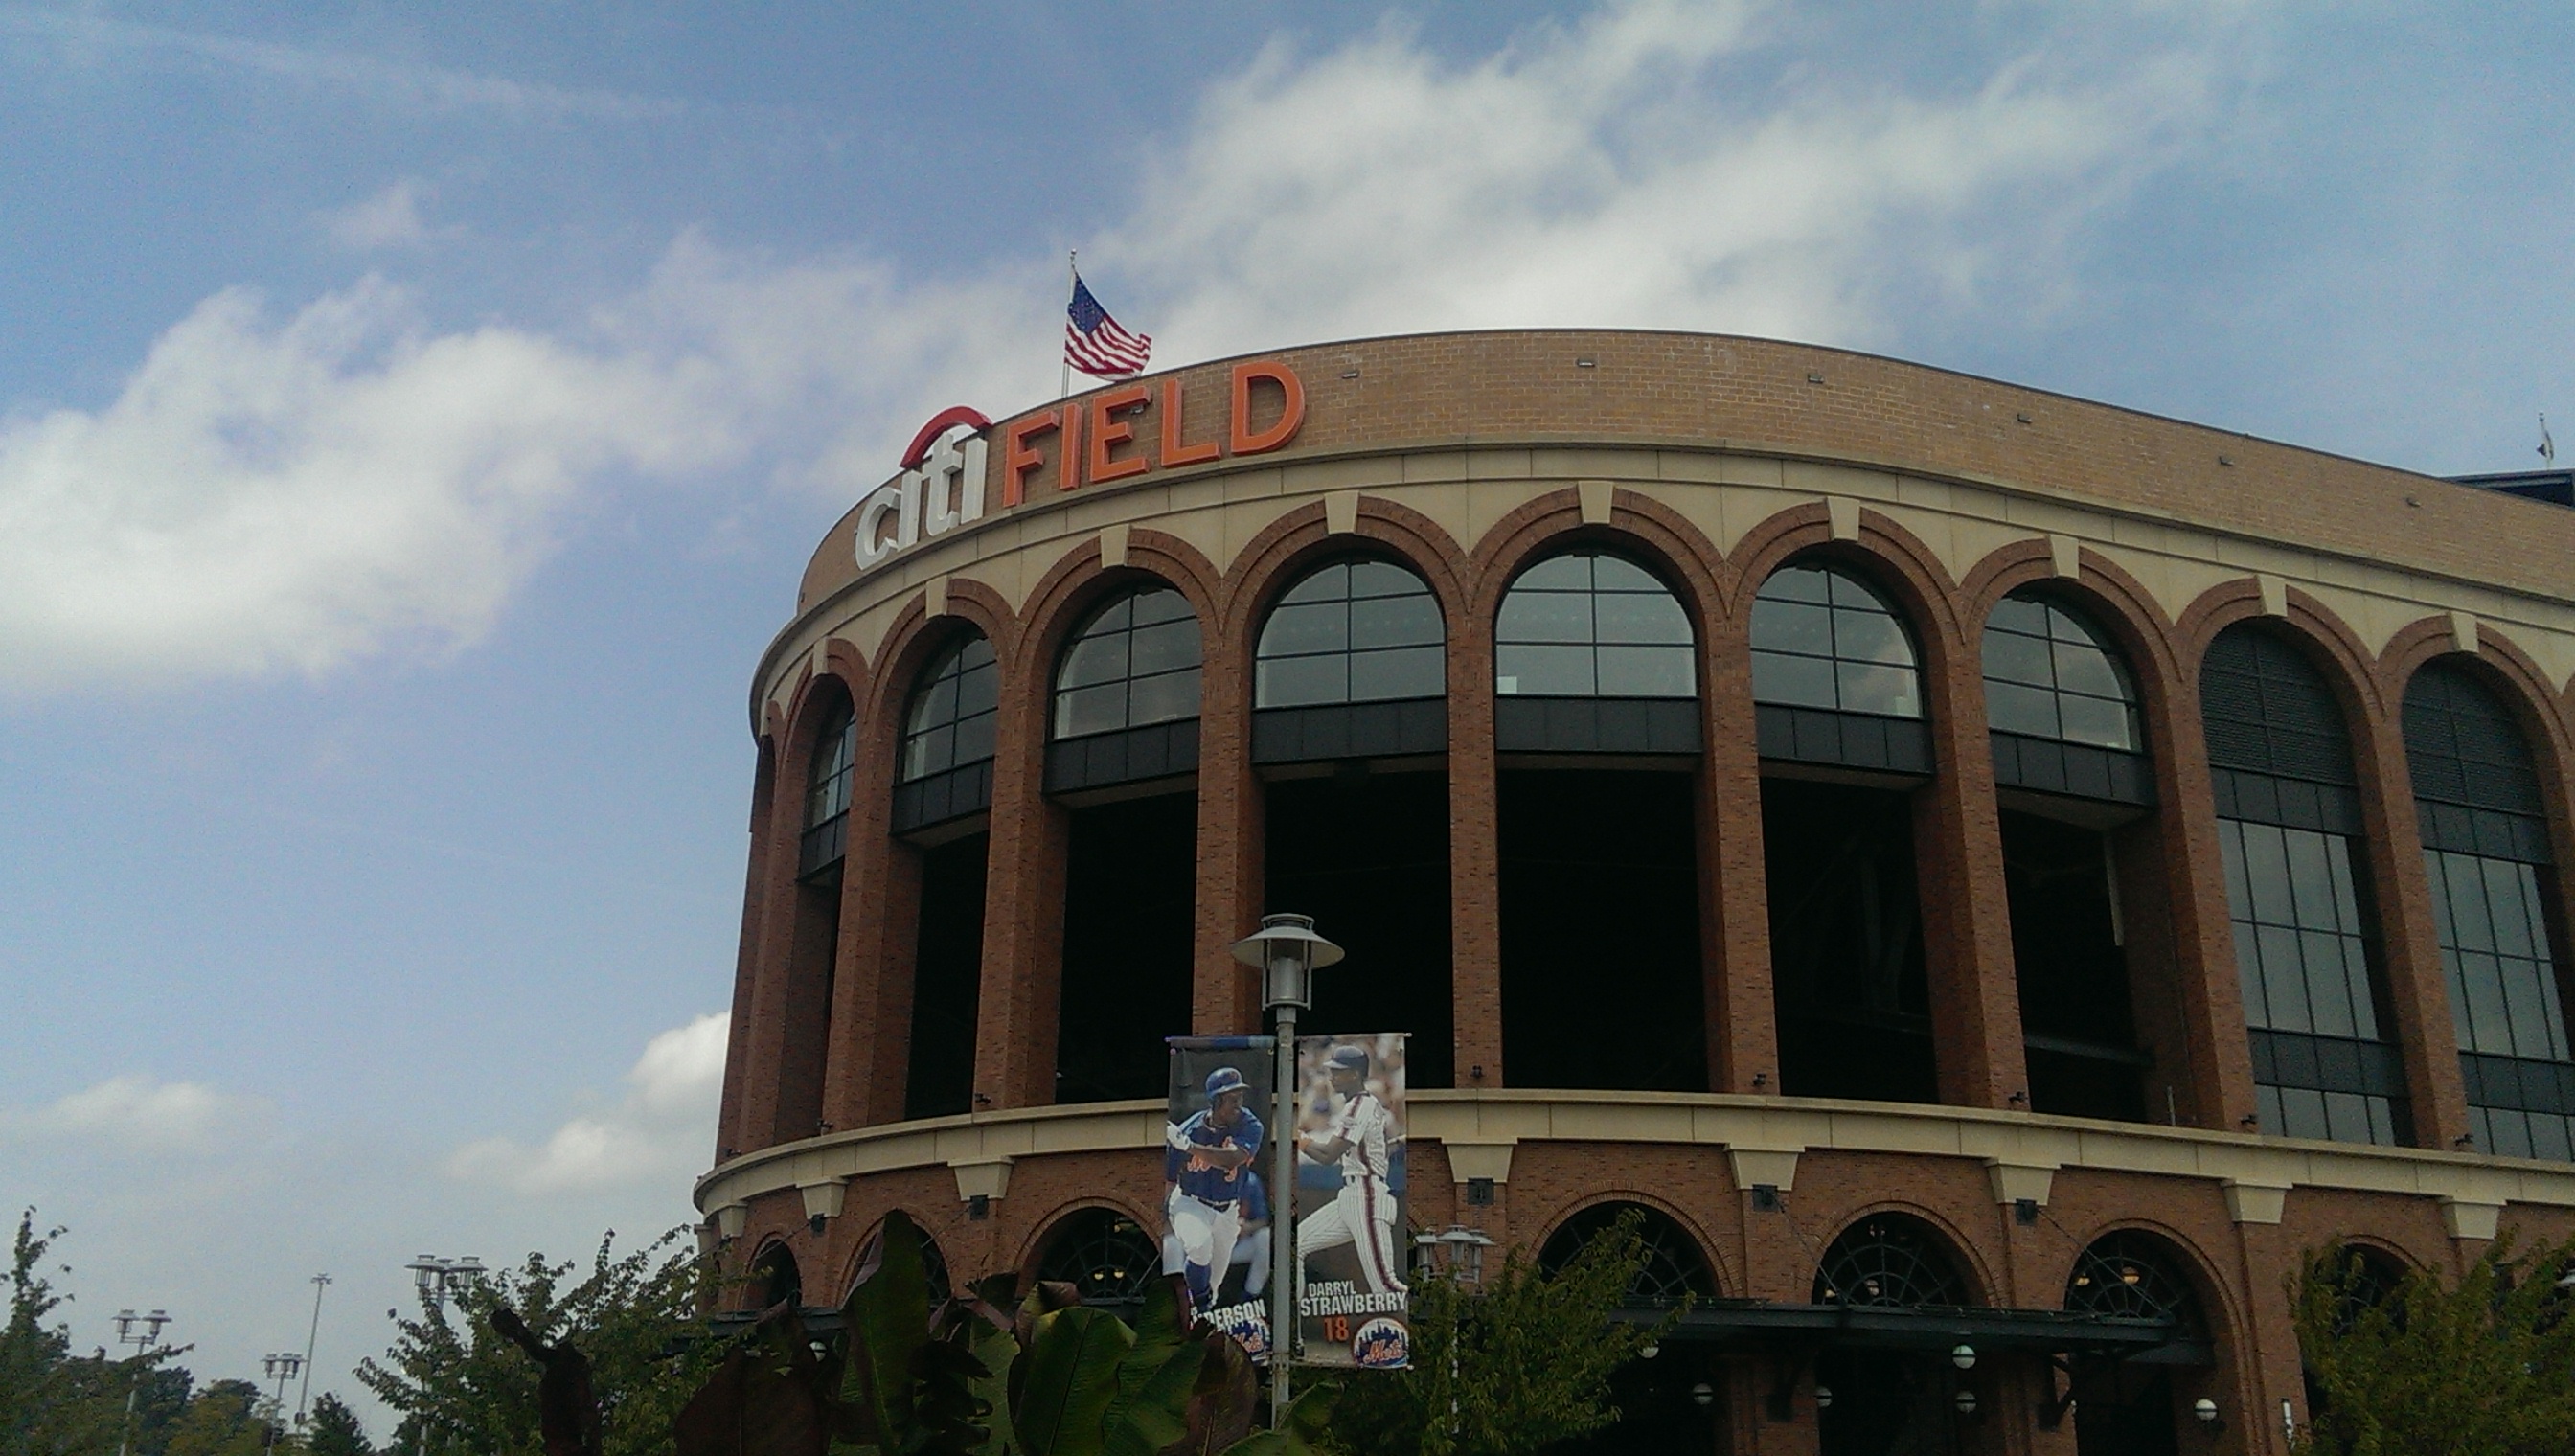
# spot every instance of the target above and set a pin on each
(1674, 1268)
(1106, 1255)
(2053, 682)
(1889, 1260)
(2485, 848)
(827, 794)
(1593, 654)
(2131, 1275)
(2131, 1404)
(944, 765)
(1835, 674)
(1351, 664)
(2065, 735)
(2297, 888)
(1126, 694)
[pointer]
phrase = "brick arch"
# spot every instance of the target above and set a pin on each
(2499, 664)
(1681, 1217)
(914, 636)
(1688, 562)
(2229, 1323)
(1077, 582)
(2349, 668)
(1886, 555)
(1972, 1261)
(1043, 1228)
(1289, 547)
(846, 1272)
(2113, 600)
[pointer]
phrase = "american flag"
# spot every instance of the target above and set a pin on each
(1093, 342)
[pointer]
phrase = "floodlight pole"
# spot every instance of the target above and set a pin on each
(304, 1391)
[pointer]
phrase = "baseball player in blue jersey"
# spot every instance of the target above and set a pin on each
(1206, 1167)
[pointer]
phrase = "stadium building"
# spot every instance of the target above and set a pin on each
(1995, 877)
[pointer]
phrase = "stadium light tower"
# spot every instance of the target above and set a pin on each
(126, 1322)
(1287, 953)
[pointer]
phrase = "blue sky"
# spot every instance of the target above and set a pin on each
(412, 423)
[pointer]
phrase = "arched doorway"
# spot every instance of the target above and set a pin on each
(1103, 1253)
(1887, 1402)
(1674, 1402)
(2127, 1408)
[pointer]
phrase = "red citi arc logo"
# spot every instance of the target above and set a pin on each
(1085, 442)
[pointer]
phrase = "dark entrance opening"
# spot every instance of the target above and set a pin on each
(2124, 1409)
(947, 973)
(1884, 1403)
(1854, 998)
(2069, 956)
(1367, 854)
(1601, 983)
(1671, 1405)
(1131, 885)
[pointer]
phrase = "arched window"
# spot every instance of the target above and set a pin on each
(1889, 1259)
(827, 793)
(1674, 1267)
(2061, 706)
(2485, 849)
(1351, 664)
(2297, 894)
(944, 765)
(2131, 1275)
(1593, 654)
(1103, 1253)
(1835, 674)
(1126, 694)
(776, 1277)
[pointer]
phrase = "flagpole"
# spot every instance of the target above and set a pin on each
(1072, 279)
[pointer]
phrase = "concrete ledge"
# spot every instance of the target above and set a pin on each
(1763, 1138)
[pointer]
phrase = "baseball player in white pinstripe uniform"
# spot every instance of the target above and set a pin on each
(1363, 1213)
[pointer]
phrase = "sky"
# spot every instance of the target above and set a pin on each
(414, 421)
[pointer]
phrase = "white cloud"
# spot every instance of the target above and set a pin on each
(269, 497)
(390, 219)
(139, 1113)
(660, 1131)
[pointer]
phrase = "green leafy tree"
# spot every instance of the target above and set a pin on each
(335, 1429)
(1505, 1368)
(2482, 1367)
(227, 1418)
(461, 1386)
(52, 1402)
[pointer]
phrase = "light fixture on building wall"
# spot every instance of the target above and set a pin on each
(1965, 1401)
(1702, 1395)
(1823, 1397)
(1963, 1356)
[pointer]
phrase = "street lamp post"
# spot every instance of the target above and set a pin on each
(1287, 953)
(126, 1322)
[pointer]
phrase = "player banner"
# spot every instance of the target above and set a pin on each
(1216, 1198)
(1352, 1306)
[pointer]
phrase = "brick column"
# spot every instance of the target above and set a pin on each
(2418, 994)
(1735, 935)
(1015, 1029)
(2217, 1090)
(765, 1047)
(1966, 910)
(1474, 859)
(1225, 995)
(730, 1122)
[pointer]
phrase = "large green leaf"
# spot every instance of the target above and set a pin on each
(1153, 1412)
(1222, 1402)
(1064, 1380)
(886, 1322)
(1300, 1435)
(997, 1349)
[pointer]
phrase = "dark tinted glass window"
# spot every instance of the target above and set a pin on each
(2302, 954)
(952, 710)
(2049, 675)
(2267, 709)
(1590, 625)
(826, 787)
(2462, 746)
(1134, 662)
(1821, 639)
(1351, 632)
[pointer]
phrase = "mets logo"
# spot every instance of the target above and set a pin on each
(1382, 1344)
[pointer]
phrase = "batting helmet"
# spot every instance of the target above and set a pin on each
(1354, 1057)
(1223, 1079)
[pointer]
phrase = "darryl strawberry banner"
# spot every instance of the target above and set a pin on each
(1352, 1306)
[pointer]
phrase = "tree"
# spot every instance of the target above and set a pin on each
(335, 1430)
(1508, 1368)
(2483, 1367)
(227, 1418)
(52, 1402)
(461, 1386)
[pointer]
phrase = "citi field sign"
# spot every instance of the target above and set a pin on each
(1093, 442)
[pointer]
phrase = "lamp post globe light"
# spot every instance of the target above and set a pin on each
(1287, 953)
